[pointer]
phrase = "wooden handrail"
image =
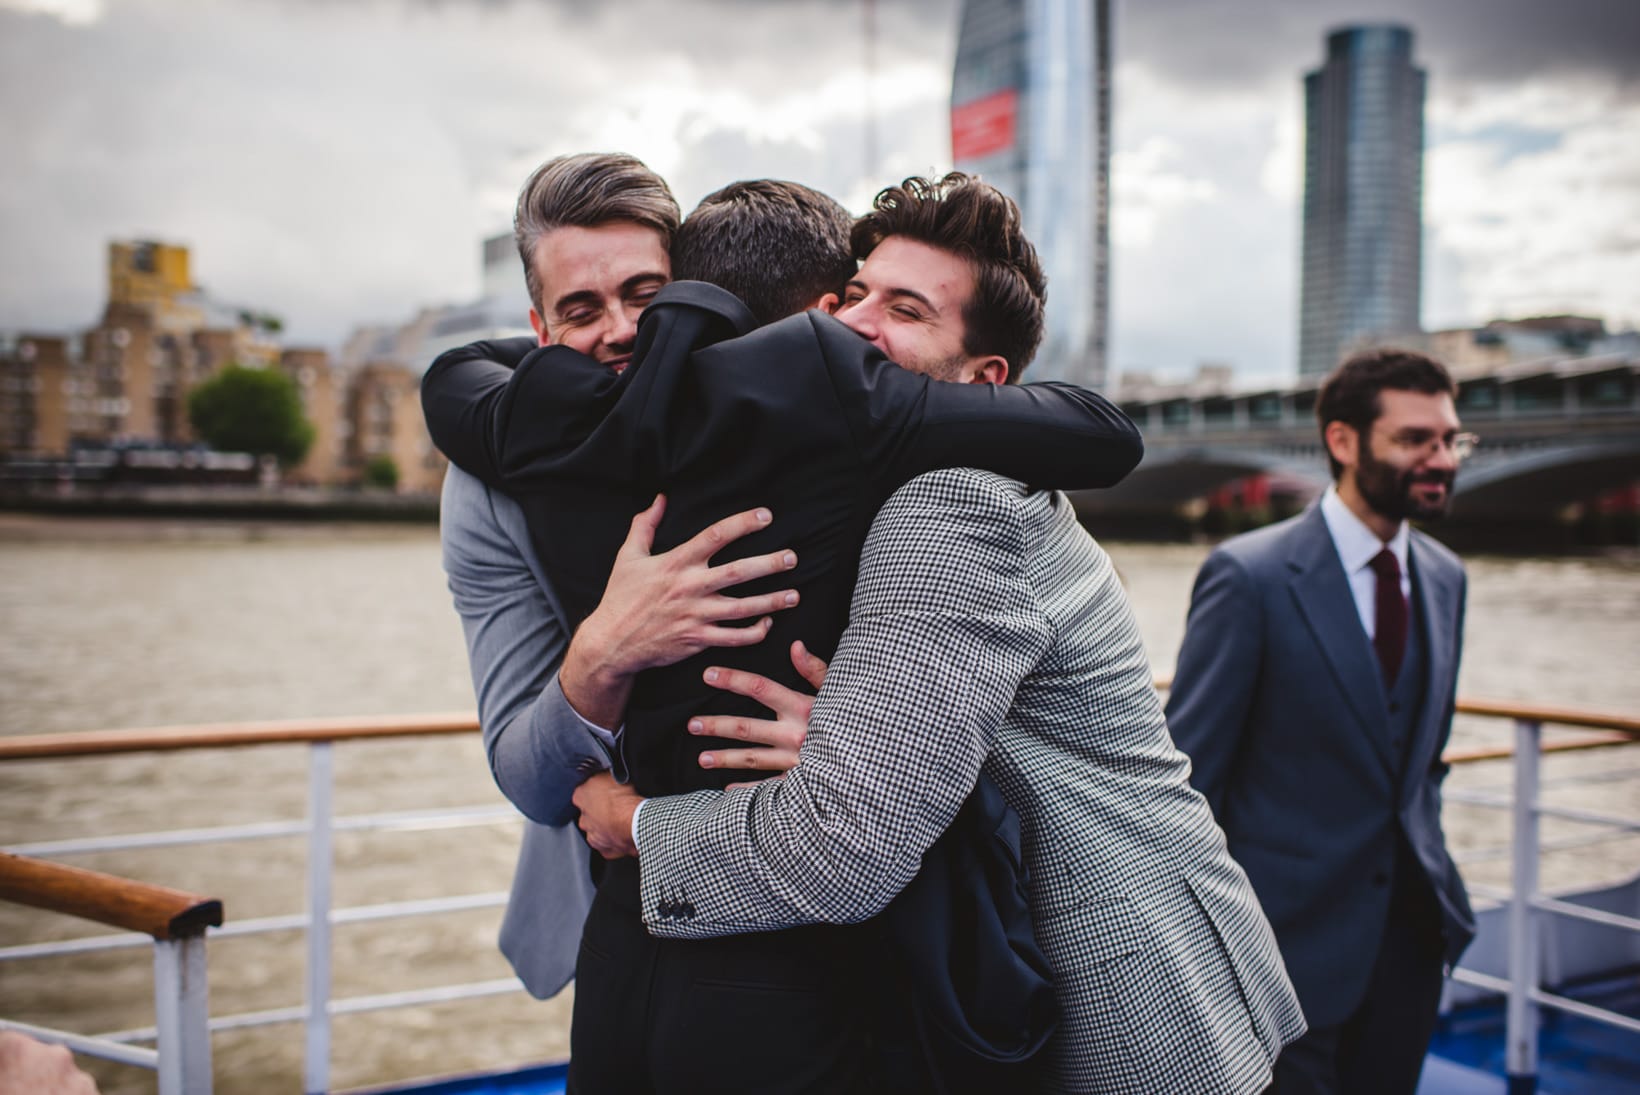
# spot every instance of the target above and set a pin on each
(231, 735)
(238, 735)
(118, 902)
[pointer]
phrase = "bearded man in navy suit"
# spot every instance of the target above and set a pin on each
(1314, 694)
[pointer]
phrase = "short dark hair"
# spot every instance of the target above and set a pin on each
(1350, 393)
(778, 246)
(972, 219)
(586, 190)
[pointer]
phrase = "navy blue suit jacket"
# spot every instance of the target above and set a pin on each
(1278, 702)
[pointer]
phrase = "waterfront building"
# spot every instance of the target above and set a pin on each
(1363, 195)
(35, 389)
(383, 418)
(1504, 342)
(316, 384)
(1030, 113)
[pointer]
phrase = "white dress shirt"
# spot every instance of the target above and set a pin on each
(1357, 545)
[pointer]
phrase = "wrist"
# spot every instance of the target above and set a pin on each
(632, 811)
(592, 684)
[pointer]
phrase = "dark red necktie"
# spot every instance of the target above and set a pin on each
(1390, 632)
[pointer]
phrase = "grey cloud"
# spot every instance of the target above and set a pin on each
(1213, 45)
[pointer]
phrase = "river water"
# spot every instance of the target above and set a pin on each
(118, 624)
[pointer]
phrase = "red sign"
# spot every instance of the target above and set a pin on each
(981, 127)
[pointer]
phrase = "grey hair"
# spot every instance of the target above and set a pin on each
(586, 190)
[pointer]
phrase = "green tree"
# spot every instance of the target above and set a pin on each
(381, 471)
(252, 410)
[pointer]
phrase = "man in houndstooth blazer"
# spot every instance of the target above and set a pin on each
(989, 632)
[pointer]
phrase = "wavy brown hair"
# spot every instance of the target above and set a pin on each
(973, 219)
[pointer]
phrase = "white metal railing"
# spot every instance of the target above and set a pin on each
(175, 977)
(179, 973)
(1523, 990)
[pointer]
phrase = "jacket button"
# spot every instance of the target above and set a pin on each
(1380, 879)
(1395, 707)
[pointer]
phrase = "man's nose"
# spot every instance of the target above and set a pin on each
(623, 328)
(1445, 457)
(861, 319)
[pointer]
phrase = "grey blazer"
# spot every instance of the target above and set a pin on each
(1278, 700)
(989, 631)
(538, 748)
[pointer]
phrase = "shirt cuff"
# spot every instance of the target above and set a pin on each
(636, 811)
(606, 736)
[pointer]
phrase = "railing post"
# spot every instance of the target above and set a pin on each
(182, 1015)
(1522, 1051)
(316, 1066)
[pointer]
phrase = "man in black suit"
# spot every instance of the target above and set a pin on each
(1314, 694)
(834, 427)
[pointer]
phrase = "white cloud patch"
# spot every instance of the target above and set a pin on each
(1551, 230)
(1203, 246)
(71, 12)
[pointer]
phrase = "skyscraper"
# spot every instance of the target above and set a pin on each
(1363, 195)
(1030, 112)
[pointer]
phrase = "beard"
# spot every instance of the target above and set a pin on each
(1395, 494)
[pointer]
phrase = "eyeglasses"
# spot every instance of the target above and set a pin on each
(1460, 445)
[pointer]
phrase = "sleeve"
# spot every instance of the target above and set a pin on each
(1052, 436)
(1217, 672)
(539, 748)
(465, 399)
(944, 627)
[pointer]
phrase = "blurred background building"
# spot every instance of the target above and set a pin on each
(117, 393)
(1363, 195)
(1030, 112)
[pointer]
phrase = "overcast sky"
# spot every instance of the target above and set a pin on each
(338, 161)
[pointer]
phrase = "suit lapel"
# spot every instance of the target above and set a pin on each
(1437, 605)
(1322, 592)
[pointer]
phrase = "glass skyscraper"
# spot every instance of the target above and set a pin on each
(1030, 111)
(1363, 195)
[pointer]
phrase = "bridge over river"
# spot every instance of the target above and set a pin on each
(1553, 434)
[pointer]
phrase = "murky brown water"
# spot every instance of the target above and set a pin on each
(109, 624)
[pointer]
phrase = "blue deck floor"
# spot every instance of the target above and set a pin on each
(1577, 1056)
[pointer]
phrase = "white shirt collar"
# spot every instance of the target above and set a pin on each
(1356, 543)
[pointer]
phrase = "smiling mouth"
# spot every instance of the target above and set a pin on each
(618, 365)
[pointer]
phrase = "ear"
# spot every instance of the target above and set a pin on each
(543, 337)
(828, 303)
(1343, 442)
(989, 370)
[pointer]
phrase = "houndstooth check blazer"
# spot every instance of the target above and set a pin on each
(988, 630)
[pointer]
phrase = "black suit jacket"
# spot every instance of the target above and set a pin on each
(802, 416)
(807, 418)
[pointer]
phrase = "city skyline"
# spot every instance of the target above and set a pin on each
(337, 164)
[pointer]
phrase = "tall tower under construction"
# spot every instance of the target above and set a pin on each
(1030, 112)
(1363, 195)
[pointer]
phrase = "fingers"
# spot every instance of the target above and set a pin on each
(762, 731)
(744, 608)
(640, 538)
(766, 760)
(745, 570)
(712, 539)
(776, 697)
(809, 666)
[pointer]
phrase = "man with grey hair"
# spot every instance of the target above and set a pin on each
(593, 232)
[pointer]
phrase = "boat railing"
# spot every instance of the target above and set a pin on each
(175, 921)
(178, 1055)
